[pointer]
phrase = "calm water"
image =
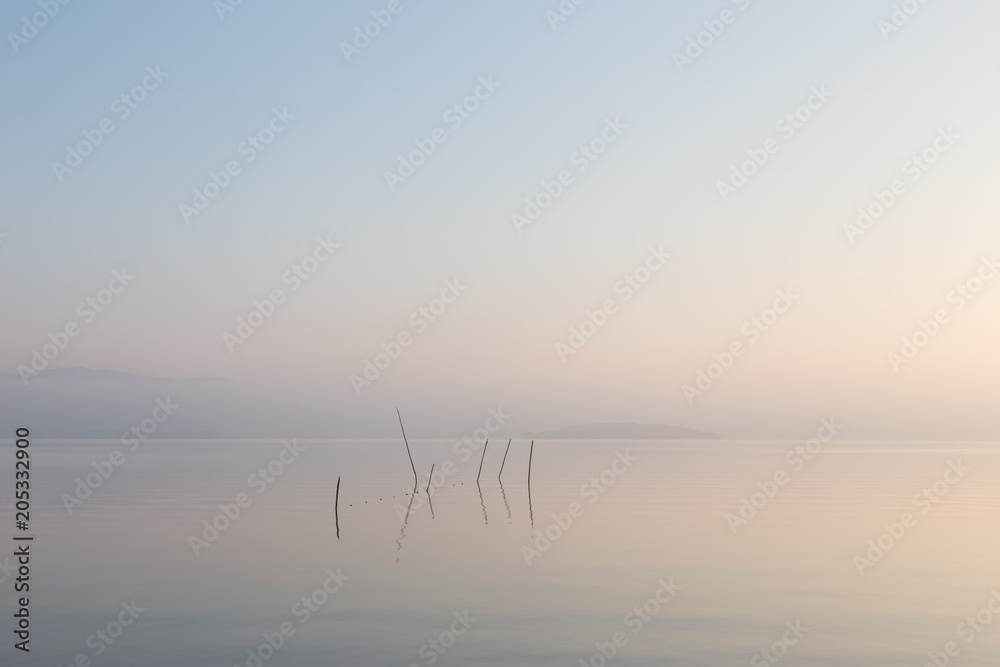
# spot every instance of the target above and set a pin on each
(663, 518)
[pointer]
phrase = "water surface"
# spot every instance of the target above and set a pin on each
(662, 519)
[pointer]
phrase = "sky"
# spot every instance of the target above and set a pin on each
(309, 118)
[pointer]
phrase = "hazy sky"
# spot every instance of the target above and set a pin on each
(607, 74)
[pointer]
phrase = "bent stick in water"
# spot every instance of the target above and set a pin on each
(482, 459)
(504, 459)
(407, 449)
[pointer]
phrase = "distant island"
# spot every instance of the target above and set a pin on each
(624, 431)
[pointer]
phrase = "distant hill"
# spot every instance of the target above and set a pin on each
(624, 431)
(80, 374)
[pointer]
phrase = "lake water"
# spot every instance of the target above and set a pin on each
(650, 554)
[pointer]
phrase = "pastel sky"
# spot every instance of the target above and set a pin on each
(550, 88)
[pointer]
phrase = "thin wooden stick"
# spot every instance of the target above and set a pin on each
(407, 449)
(482, 459)
(336, 507)
(504, 459)
(530, 452)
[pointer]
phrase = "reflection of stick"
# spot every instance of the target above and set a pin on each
(407, 449)
(486, 519)
(504, 458)
(430, 500)
(482, 459)
(506, 504)
(336, 508)
(406, 520)
(530, 511)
